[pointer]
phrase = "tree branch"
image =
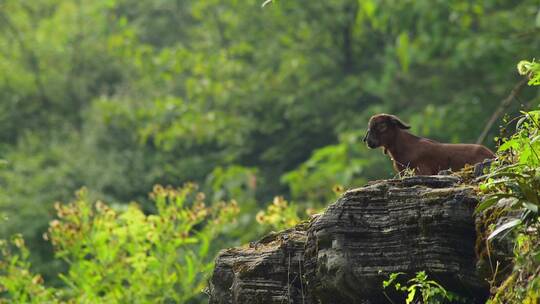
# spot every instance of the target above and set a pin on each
(504, 104)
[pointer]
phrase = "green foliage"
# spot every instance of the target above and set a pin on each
(279, 215)
(531, 69)
(512, 187)
(512, 193)
(337, 165)
(514, 183)
(420, 288)
(235, 182)
(239, 184)
(17, 283)
(55, 56)
(120, 255)
(250, 102)
(523, 284)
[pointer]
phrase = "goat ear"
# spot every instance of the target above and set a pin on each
(399, 123)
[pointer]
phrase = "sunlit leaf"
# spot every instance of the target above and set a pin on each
(485, 204)
(508, 225)
(265, 3)
(410, 296)
(530, 206)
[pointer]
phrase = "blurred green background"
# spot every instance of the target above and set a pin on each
(249, 102)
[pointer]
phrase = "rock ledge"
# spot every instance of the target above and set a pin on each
(343, 255)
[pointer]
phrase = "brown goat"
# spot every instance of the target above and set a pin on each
(423, 155)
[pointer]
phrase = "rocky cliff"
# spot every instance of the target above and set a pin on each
(344, 254)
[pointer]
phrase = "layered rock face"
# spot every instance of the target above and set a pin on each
(268, 271)
(342, 256)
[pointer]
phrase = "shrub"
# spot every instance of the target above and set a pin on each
(121, 255)
(420, 289)
(512, 200)
(279, 215)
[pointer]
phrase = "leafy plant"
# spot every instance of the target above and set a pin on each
(343, 165)
(17, 283)
(419, 287)
(279, 215)
(121, 255)
(530, 69)
(514, 183)
(522, 285)
(512, 193)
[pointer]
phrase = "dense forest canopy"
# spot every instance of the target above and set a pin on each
(249, 102)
